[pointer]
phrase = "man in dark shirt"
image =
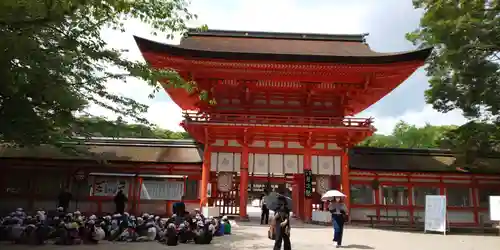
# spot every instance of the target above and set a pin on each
(64, 199)
(120, 200)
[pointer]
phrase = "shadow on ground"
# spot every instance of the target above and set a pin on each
(452, 231)
(294, 223)
(241, 238)
(354, 246)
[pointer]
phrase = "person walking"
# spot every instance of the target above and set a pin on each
(282, 225)
(64, 199)
(339, 216)
(264, 215)
(120, 200)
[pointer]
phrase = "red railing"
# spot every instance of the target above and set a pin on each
(277, 120)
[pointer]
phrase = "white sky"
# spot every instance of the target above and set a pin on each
(386, 20)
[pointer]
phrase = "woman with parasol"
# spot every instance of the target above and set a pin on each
(281, 224)
(339, 214)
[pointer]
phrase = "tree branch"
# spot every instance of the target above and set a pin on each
(48, 18)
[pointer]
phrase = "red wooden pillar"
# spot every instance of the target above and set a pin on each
(295, 197)
(474, 189)
(139, 191)
(307, 200)
(299, 203)
(244, 183)
(377, 198)
(345, 186)
(442, 190)
(205, 175)
(410, 200)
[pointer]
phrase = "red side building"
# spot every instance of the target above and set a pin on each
(279, 105)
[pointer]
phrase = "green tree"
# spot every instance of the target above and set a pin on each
(380, 141)
(464, 68)
(100, 127)
(405, 135)
(54, 63)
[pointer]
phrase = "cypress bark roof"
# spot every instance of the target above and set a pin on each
(270, 46)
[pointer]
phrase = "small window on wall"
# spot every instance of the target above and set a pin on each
(191, 190)
(484, 195)
(394, 195)
(458, 197)
(362, 194)
(419, 194)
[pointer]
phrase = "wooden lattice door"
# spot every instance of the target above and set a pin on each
(227, 198)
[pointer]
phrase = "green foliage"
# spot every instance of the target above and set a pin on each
(99, 127)
(410, 136)
(54, 63)
(463, 69)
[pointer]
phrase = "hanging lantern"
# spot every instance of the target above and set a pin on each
(80, 175)
(322, 184)
(225, 181)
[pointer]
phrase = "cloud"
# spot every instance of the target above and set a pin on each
(386, 20)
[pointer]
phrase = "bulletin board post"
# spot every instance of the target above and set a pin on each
(495, 211)
(435, 214)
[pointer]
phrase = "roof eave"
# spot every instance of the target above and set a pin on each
(148, 46)
(277, 35)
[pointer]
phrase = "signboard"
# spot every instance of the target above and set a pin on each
(209, 190)
(495, 208)
(103, 186)
(435, 213)
(162, 190)
(308, 179)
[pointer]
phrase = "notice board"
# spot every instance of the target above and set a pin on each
(435, 213)
(495, 208)
(308, 179)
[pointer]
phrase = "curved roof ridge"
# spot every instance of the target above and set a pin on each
(278, 35)
(279, 50)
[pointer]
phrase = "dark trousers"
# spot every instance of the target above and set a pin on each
(264, 216)
(281, 237)
(120, 208)
(338, 228)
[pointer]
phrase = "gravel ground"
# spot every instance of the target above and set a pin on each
(310, 237)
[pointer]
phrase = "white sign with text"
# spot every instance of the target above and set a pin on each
(435, 213)
(162, 190)
(495, 208)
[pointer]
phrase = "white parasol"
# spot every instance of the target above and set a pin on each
(332, 194)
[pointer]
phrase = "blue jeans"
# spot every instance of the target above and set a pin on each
(338, 228)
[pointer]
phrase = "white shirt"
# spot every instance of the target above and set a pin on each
(338, 207)
(265, 200)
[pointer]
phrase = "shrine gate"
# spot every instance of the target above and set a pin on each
(278, 103)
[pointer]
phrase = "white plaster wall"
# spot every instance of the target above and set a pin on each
(394, 212)
(453, 216)
(361, 213)
(460, 216)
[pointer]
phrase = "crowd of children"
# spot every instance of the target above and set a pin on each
(64, 228)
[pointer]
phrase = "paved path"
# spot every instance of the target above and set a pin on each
(309, 237)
